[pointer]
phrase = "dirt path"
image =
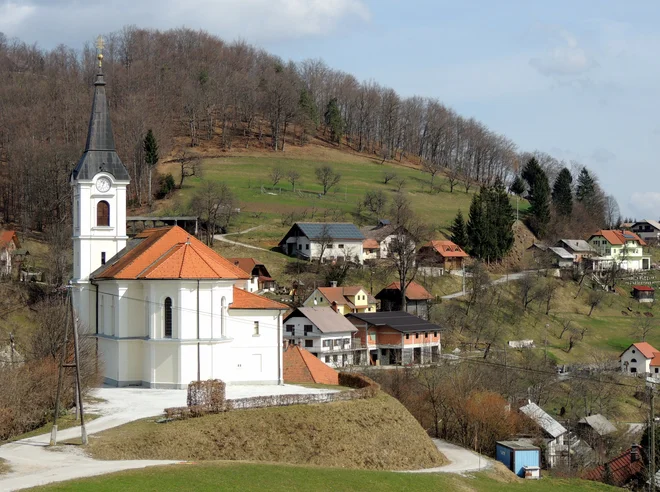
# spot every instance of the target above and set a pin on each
(223, 238)
(462, 460)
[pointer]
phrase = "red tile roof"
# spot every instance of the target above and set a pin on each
(645, 348)
(247, 300)
(644, 288)
(168, 253)
(622, 469)
(414, 291)
(619, 237)
(338, 294)
(448, 249)
(370, 244)
(6, 237)
(245, 264)
(301, 366)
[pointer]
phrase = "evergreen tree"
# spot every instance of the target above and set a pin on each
(562, 194)
(333, 120)
(458, 231)
(502, 220)
(538, 196)
(586, 187)
(308, 115)
(518, 186)
(477, 227)
(150, 156)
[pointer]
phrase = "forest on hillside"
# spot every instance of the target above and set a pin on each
(192, 85)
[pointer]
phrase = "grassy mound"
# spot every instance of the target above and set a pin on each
(248, 476)
(376, 433)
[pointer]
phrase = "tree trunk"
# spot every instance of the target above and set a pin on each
(150, 194)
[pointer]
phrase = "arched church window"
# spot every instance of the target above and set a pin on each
(103, 214)
(168, 317)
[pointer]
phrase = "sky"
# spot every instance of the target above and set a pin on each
(576, 79)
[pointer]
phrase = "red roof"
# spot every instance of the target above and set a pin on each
(448, 249)
(247, 300)
(645, 348)
(370, 244)
(245, 264)
(622, 469)
(6, 237)
(644, 288)
(339, 295)
(301, 366)
(414, 291)
(169, 253)
(619, 237)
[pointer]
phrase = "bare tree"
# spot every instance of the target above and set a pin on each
(293, 176)
(275, 175)
(327, 177)
(644, 327)
(433, 168)
(400, 209)
(388, 176)
(594, 298)
(612, 212)
(215, 204)
(402, 252)
(324, 241)
(528, 287)
(375, 201)
(189, 166)
(400, 184)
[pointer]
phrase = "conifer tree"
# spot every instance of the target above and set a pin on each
(333, 120)
(459, 231)
(518, 186)
(538, 196)
(490, 223)
(586, 187)
(477, 227)
(150, 156)
(502, 221)
(562, 194)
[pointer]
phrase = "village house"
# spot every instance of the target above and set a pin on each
(628, 469)
(579, 248)
(555, 435)
(620, 249)
(643, 293)
(418, 299)
(381, 235)
(648, 230)
(9, 244)
(640, 358)
(326, 240)
(260, 280)
(545, 256)
(344, 300)
(325, 333)
(165, 308)
(397, 338)
(442, 254)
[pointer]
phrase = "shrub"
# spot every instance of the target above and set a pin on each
(165, 185)
(209, 395)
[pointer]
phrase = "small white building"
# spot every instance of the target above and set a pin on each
(556, 436)
(331, 241)
(323, 332)
(379, 238)
(640, 358)
(8, 245)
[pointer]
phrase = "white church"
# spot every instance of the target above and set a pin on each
(165, 308)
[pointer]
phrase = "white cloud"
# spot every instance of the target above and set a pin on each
(253, 20)
(566, 58)
(646, 204)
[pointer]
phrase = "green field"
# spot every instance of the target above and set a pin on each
(246, 476)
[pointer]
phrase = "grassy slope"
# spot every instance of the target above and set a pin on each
(377, 433)
(246, 476)
(63, 422)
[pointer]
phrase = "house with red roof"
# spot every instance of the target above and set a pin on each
(618, 249)
(260, 279)
(303, 367)
(418, 299)
(8, 245)
(641, 358)
(625, 470)
(444, 254)
(344, 300)
(165, 308)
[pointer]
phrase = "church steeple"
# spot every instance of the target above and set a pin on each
(100, 154)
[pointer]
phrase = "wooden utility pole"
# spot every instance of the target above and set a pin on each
(64, 364)
(652, 435)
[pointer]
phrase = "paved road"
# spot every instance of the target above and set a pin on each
(223, 238)
(33, 463)
(462, 460)
(502, 280)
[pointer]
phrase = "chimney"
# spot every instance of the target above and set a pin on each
(634, 453)
(334, 306)
(333, 283)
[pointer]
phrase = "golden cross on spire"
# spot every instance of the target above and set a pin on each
(99, 49)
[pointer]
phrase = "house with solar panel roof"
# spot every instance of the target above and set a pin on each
(618, 249)
(329, 241)
(165, 309)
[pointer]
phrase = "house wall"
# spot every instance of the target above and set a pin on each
(134, 350)
(641, 364)
(525, 457)
(362, 305)
(629, 256)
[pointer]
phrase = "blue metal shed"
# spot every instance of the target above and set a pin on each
(516, 455)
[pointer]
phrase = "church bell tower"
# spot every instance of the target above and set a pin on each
(99, 183)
